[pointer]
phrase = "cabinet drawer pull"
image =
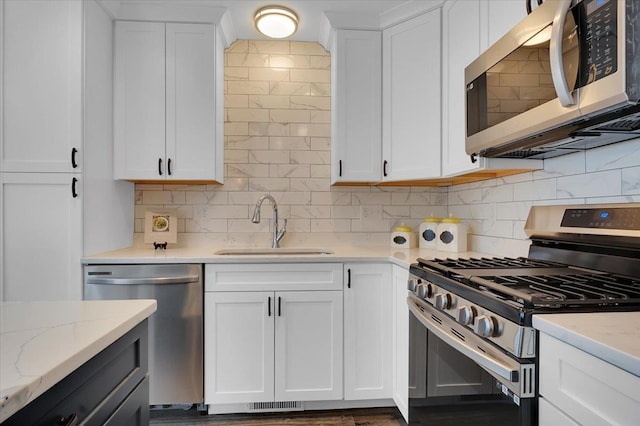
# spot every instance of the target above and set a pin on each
(74, 164)
(160, 166)
(269, 308)
(69, 420)
(349, 278)
(74, 193)
(384, 168)
(279, 306)
(169, 166)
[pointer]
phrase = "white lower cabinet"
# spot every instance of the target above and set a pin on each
(578, 388)
(272, 346)
(368, 328)
(41, 224)
(400, 341)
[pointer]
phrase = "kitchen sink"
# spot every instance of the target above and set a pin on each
(273, 251)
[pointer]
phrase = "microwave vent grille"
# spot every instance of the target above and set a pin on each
(629, 125)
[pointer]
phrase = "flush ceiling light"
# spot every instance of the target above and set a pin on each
(276, 21)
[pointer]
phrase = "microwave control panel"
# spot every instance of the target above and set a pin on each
(600, 39)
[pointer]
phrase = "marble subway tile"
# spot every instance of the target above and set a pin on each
(227, 212)
(311, 129)
(206, 197)
(242, 87)
(382, 225)
(163, 197)
(205, 225)
(513, 211)
(345, 212)
(331, 198)
(320, 171)
(269, 184)
(236, 156)
(289, 116)
(320, 89)
(311, 212)
(309, 184)
(320, 144)
(268, 101)
(320, 62)
(247, 170)
(247, 114)
(246, 142)
(246, 60)
(269, 46)
(320, 116)
(544, 189)
(310, 157)
(269, 74)
(410, 198)
(236, 129)
(322, 103)
(571, 164)
(292, 198)
(631, 181)
(391, 212)
(236, 73)
(290, 61)
(237, 101)
(590, 185)
(308, 48)
(330, 225)
(290, 143)
(369, 198)
(290, 170)
(270, 129)
(618, 156)
(268, 157)
(289, 88)
(310, 75)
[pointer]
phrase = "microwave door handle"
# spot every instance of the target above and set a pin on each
(555, 55)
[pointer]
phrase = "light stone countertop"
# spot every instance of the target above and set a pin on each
(613, 337)
(342, 253)
(43, 342)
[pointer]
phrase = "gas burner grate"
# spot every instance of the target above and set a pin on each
(488, 262)
(578, 289)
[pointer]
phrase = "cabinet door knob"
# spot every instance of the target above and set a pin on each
(169, 166)
(74, 193)
(74, 163)
(160, 166)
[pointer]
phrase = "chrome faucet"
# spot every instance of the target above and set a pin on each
(277, 234)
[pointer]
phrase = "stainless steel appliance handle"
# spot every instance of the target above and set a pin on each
(186, 279)
(483, 359)
(555, 55)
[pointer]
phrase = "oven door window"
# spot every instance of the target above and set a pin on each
(447, 388)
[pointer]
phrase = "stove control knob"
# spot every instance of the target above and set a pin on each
(486, 326)
(443, 301)
(466, 314)
(425, 291)
(412, 285)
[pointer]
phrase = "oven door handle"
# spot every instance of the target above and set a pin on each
(486, 361)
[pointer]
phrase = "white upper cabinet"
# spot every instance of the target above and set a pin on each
(167, 110)
(42, 86)
(411, 88)
(356, 68)
(468, 28)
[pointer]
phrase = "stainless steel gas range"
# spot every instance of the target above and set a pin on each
(582, 258)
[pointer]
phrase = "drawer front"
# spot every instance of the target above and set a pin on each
(134, 411)
(273, 276)
(586, 388)
(95, 389)
(548, 415)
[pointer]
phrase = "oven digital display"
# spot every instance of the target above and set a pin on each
(616, 218)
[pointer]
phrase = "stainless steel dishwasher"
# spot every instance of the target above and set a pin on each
(175, 329)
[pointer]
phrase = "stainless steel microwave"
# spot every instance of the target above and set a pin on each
(565, 79)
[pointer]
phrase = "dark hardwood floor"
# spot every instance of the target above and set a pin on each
(355, 417)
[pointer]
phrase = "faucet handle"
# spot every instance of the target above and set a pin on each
(282, 231)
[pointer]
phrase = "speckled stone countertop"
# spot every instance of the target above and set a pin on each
(43, 342)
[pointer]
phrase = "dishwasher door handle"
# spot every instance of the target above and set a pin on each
(186, 279)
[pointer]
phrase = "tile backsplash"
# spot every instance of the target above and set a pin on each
(277, 141)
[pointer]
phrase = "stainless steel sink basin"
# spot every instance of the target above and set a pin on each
(273, 251)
